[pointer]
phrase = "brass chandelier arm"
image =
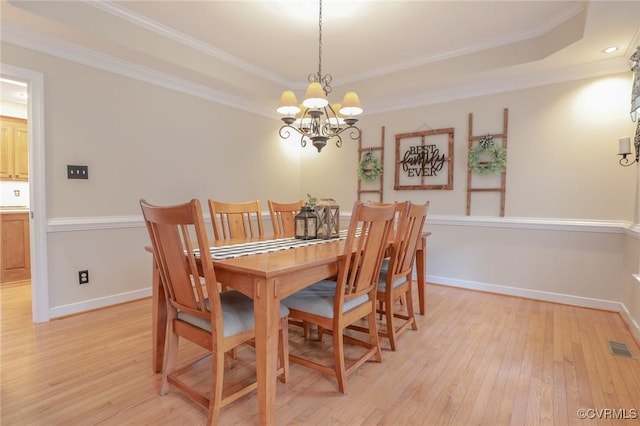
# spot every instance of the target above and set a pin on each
(285, 133)
(320, 140)
(312, 126)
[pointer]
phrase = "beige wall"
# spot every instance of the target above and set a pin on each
(562, 142)
(561, 166)
(141, 140)
(568, 231)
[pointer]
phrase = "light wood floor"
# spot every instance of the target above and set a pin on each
(477, 359)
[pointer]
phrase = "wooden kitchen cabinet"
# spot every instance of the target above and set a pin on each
(14, 149)
(15, 258)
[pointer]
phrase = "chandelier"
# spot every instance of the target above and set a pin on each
(316, 119)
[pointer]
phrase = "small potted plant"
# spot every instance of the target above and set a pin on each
(311, 201)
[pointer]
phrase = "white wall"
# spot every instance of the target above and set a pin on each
(14, 193)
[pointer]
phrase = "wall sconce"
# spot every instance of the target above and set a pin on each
(624, 149)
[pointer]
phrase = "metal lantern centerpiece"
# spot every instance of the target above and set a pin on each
(328, 212)
(306, 224)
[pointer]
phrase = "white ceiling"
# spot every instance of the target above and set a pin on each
(395, 54)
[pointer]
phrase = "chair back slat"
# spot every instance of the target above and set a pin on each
(236, 220)
(358, 272)
(187, 286)
(401, 209)
(283, 217)
(406, 239)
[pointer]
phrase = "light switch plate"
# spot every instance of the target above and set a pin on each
(77, 172)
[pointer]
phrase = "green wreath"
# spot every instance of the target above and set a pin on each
(369, 168)
(496, 164)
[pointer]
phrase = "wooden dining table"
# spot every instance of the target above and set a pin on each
(268, 278)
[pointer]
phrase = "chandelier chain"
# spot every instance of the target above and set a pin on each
(324, 80)
(320, 42)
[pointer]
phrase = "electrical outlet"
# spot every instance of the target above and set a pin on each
(77, 172)
(83, 277)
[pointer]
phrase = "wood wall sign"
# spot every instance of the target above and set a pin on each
(424, 160)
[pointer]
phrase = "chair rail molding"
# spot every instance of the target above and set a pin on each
(72, 224)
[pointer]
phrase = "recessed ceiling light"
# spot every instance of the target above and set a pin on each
(610, 49)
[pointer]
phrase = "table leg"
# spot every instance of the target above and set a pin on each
(267, 324)
(158, 320)
(421, 256)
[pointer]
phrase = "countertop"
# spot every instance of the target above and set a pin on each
(14, 209)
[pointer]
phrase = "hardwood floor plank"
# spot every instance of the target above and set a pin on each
(498, 407)
(476, 359)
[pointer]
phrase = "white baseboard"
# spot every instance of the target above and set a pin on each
(634, 327)
(545, 296)
(102, 302)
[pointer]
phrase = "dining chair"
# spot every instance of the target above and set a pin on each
(283, 217)
(333, 305)
(395, 281)
(236, 220)
(284, 225)
(196, 310)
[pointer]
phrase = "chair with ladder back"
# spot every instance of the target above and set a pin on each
(196, 310)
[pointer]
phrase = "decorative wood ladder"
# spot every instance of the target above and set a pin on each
(361, 152)
(503, 175)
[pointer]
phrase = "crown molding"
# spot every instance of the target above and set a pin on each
(71, 52)
(633, 45)
(179, 37)
(499, 84)
(468, 50)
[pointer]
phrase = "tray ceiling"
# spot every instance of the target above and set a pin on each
(396, 54)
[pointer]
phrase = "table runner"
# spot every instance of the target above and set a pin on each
(266, 246)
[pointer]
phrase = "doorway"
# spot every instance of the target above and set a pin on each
(37, 188)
